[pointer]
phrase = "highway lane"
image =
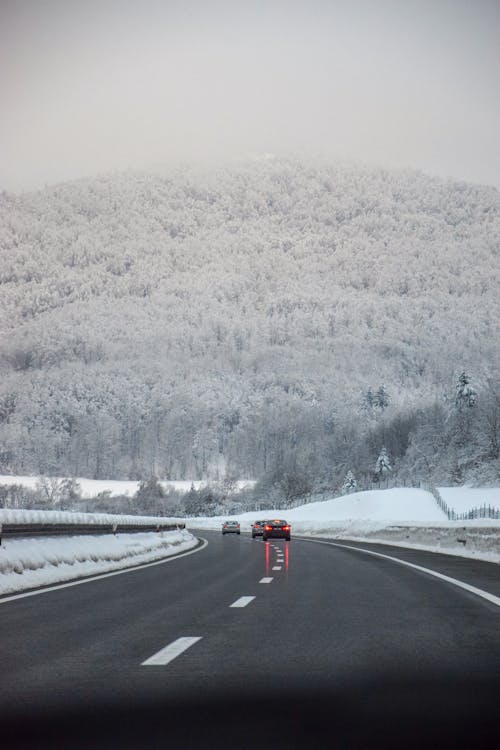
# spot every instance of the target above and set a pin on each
(477, 573)
(330, 616)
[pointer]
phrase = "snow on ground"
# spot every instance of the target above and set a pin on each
(403, 517)
(29, 563)
(92, 487)
(462, 499)
(366, 510)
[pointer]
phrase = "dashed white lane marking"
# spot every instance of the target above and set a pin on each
(242, 601)
(267, 579)
(454, 581)
(170, 652)
(276, 567)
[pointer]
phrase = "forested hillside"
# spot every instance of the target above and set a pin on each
(275, 319)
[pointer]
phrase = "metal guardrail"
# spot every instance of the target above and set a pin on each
(77, 529)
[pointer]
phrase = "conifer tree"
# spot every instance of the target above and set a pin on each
(383, 466)
(381, 399)
(350, 483)
(466, 395)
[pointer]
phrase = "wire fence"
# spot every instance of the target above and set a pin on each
(480, 511)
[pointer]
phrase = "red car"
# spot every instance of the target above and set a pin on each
(277, 529)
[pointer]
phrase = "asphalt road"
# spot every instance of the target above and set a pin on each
(332, 622)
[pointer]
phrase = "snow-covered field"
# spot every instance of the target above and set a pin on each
(92, 487)
(462, 499)
(29, 563)
(400, 516)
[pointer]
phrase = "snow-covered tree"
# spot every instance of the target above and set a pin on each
(383, 466)
(466, 395)
(368, 401)
(350, 483)
(173, 325)
(381, 398)
(59, 493)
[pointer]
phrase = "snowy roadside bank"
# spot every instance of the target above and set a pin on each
(19, 515)
(402, 517)
(29, 563)
(477, 542)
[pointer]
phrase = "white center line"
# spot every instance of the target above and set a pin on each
(276, 567)
(242, 601)
(170, 652)
(265, 580)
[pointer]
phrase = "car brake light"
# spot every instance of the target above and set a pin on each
(268, 528)
(286, 528)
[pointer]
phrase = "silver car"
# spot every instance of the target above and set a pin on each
(230, 527)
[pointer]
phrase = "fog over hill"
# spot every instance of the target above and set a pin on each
(277, 318)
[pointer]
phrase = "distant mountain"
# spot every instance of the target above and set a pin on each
(238, 320)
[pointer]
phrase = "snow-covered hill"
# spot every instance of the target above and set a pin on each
(374, 509)
(262, 317)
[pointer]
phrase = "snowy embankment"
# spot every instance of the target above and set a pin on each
(399, 516)
(18, 515)
(27, 563)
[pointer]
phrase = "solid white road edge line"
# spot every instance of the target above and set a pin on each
(267, 579)
(103, 575)
(170, 652)
(242, 601)
(454, 581)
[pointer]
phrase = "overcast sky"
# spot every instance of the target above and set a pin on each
(97, 85)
